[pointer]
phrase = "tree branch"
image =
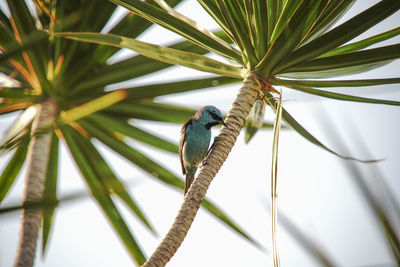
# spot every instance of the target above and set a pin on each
(235, 120)
(38, 156)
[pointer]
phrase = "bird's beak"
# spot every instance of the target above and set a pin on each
(223, 123)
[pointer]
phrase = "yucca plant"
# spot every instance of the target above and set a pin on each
(294, 44)
(57, 89)
(275, 43)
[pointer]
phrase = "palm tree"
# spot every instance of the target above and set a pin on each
(57, 87)
(276, 43)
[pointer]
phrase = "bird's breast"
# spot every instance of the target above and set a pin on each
(197, 141)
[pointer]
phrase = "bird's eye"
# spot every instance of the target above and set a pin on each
(215, 116)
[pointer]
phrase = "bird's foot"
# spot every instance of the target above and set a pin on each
(203, 163)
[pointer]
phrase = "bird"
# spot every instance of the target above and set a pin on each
(195, 140)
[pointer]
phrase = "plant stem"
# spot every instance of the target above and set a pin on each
(38, 156)
(274, 183)
(241, 107)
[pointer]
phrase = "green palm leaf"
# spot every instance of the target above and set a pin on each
(129, 68)
(50, 191)
(100, 193)
(13, 47)
(13, 168)
(330, 15)
(369, 56)
(131, 154)
(257, 24)
(331, 73)
(18, 127)
(153, 90)
(283, 19)
(129, 130)
(146, 110)
(341, 34)
(164, 54)
(233, 14)
(364, 43)
(344, 97)
(334, 83)
(202, 38)
(289, 120)
(295, 30)
(24, 25)
(109, 180)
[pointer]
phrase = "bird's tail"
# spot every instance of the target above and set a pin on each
(189, 179)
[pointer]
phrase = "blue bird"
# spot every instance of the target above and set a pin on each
(195, 140)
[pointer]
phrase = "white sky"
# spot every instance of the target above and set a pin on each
(315, 191)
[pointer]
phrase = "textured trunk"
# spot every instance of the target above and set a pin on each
(193, 199)
(34, 184)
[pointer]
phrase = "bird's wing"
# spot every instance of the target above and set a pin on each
(182, 142)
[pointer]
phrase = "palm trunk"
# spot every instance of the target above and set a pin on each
(34, 184)
(240, 109)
